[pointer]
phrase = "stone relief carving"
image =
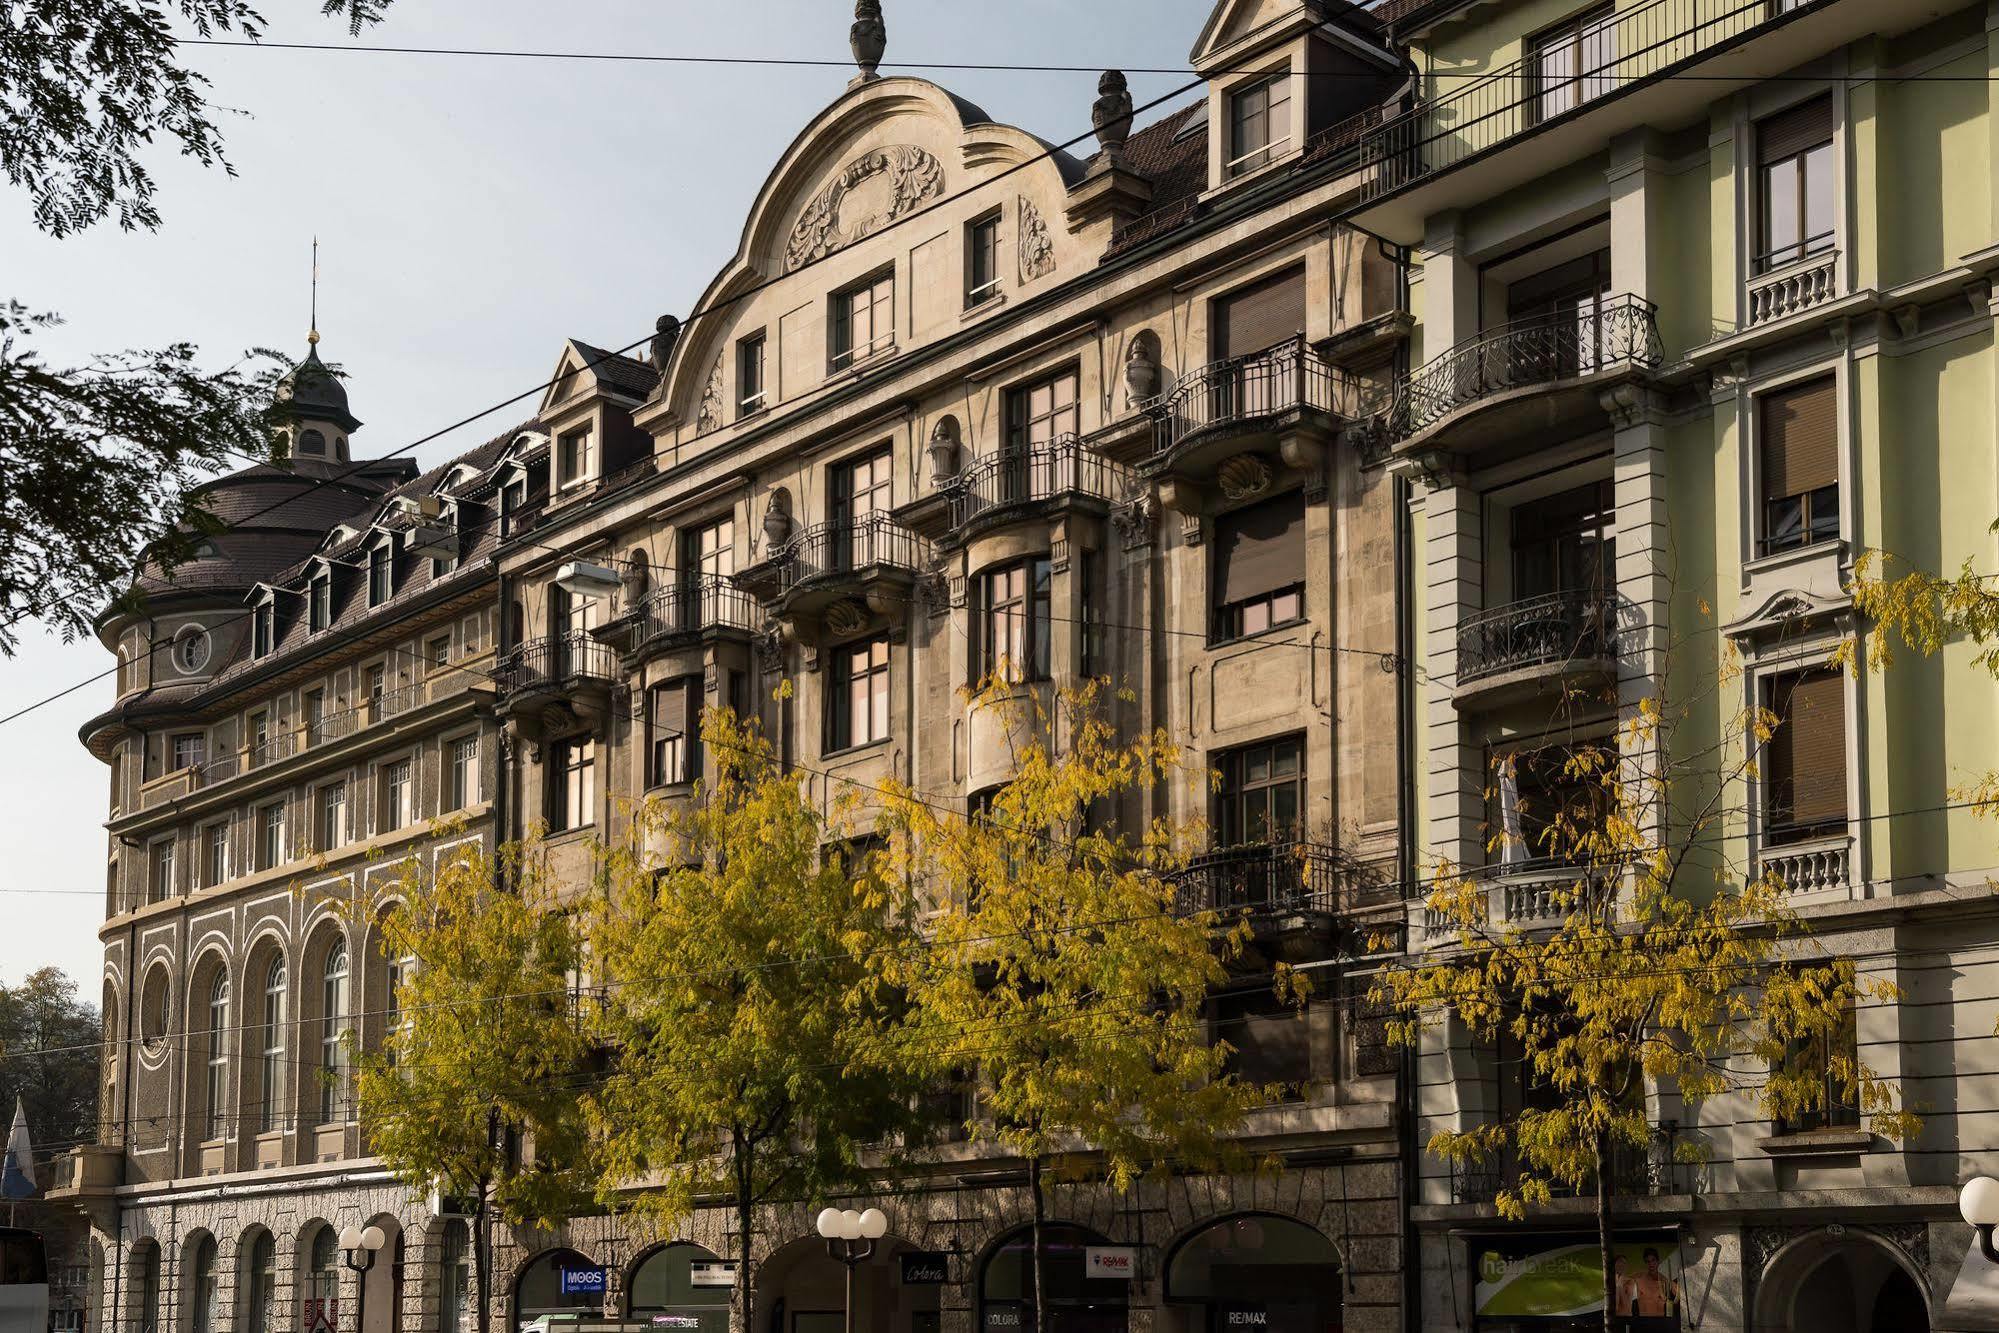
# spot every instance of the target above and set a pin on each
(1243, 476)
(1037, 248)
(710, 417)
(913, 176)
(1134, 520)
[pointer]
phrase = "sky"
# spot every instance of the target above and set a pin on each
(471, 213)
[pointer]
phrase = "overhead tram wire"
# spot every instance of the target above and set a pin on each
(1011, 67)
(714, 308)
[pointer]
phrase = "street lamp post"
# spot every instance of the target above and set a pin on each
(850, 1238)
(1978, 1201)
(359, 1246)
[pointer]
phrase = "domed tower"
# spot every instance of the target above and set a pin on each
(320, 421)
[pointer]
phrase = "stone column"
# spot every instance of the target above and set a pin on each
(1450, 286)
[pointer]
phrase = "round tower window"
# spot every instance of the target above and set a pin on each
(191, 649)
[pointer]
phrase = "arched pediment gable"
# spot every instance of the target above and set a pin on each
(883, 151)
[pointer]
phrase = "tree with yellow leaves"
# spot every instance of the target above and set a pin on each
(1058, 969)
(1658, 960)
(482, 1051)
(748, 1003)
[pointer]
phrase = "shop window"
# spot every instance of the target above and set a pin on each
(676, 1287)
(1257, 1273)
(1075, 1301)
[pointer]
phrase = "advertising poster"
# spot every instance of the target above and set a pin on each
(1532, 1282)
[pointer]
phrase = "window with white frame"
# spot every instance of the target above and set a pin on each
(982, 259)
(673, 716)
(331, 816)
(217, 1081)
(214, 854)
(271, 1066)
(1794, 179)
(464, 772)
(572, 786)
(861, 322)
(271, 836)
(1572, 62)
(190, 748)
(573, 453)
(1260, 123)
(750, 392)
(398, 796)
(160, 882)
(333, 1020)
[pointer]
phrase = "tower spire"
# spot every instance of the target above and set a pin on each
(312, 334)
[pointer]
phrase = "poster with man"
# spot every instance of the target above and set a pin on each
(1556, 1283)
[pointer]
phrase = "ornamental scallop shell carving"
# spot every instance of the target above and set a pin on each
(844, 618)
(1243, 476)
(912, 176)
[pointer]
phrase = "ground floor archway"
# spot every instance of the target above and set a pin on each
(802, 1289)
(1850, 1283)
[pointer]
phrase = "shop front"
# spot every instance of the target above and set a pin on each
(1553, 1282)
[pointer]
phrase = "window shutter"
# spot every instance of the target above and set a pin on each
(1808, 753)
(1260, 549)
(1793, 131)
(1259, 316)
(1800, 429)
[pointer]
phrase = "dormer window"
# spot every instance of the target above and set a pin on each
(381, 573)
(319, 602)
(1259, 123)
(572, 458)
(862, 321)
(263, 630)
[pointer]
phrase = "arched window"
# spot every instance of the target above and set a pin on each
(455, 1281)
(332, 1030)
(540, 1289)
(271, 1071)
(218, 1057)
(204, 1279)
(259, 1279)
(312, 442)
(322, 1277)
(1258, 1271)
(662, 1291)
(1076, 1303)
(146, 1288)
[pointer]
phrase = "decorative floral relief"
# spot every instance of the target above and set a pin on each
(1037, 250)
(711, 402)
(914, 176)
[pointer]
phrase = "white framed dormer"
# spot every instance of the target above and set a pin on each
(263, 601)
(1804, 545)
(1795, 203)
(1821, 857)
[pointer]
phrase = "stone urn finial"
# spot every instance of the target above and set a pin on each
(1111, 113)
(665, 333)
(1141, 372)
(868, 38)
(777, 518)
(943, 451)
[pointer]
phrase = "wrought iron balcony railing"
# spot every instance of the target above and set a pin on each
(549, 664)
(829, 550)
(1245, 389)
(1014, 477)
(1283, 878)
(695, 605)
(1543, 349)
(1635, 46)
(1549, 630)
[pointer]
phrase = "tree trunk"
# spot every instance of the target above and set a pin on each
(1603, 1232)
(482, 1262)
(1034, 1241)
(744, 1203)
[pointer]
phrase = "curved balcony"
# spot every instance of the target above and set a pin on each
(1019, 483)
(1553, 642)
(1284, 888)
(541, 681)
(873, 559)
(694, 609)
(1288, 397)
(1534, 379)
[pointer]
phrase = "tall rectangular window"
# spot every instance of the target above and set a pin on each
(271, 836)
(1259, 123)
(1042, 411)
(214, 854)
(673, 714)
(1811, 1060)
(260, 737)
(464, 775)
(1259, 578)
(376, 688)
(1795, 204)
(190, 748)
(861, 489)
(398, 796)
(572, 458)
(1271, 1038)
(1014, 621)
(1090, 628)
(319, 599)
(1804, 761)
(263, 630)
(381, 573)
(332, 817)
(1572, 63)
(861, 322)
(1798, 445)
(437, 654)
(982, 259)
(572, 788)
(708, 552)
(315, 716)
(857, 694)
(160, 885)
(750, 393)
(1542, 808)
(1262, 797)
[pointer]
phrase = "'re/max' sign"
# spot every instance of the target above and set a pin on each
(1110, 1261)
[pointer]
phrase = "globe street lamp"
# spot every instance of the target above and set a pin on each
(1979, 1202)
(850, 1238)
(359, 1246)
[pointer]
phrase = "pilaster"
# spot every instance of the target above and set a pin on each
(1450, 285)
(1644, 586)
(1453, 588)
